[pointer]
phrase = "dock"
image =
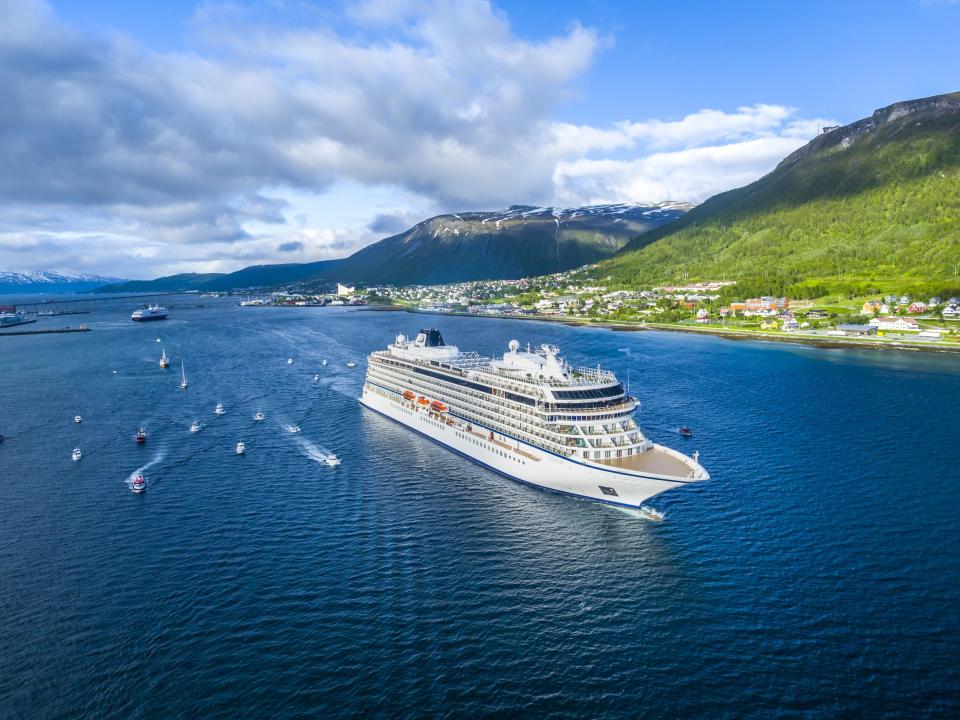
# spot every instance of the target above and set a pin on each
(49, 331)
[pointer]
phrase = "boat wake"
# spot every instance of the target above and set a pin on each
(161, 454)
(316, 453)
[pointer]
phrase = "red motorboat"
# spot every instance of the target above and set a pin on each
(141, 436)
(139, 484)
(685, 431)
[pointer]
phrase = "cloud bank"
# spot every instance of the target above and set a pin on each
(119, 159)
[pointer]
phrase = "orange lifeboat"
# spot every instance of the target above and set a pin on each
(438, 406)
(409, 395)
(423, 401)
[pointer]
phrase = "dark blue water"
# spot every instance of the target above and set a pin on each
(816, 575)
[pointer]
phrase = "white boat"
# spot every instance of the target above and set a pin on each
(528, 415)
(293, 428)
(218, 410)
(332, 460)
(324, 363)
(77, 454)
(259, 417)
(241, 448)
(77, 419)
(196, 427)
(139, 484)
(153, 312)
(351, 364)
(164, 360)
(316, 378)
(289, 361)
(183, 377)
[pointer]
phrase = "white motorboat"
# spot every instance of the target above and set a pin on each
(324, 363)
(77, 454)
(293, 428)
(164, 360)
(351, 364)
(332, 460)
(289, 361)
(77, 419)
(139, 484)
(241, 448)
(196, 427)
(259, 417)
(218, 410)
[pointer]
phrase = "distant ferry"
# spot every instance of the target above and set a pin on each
(9, 319)
(153, 312)
(530, 416)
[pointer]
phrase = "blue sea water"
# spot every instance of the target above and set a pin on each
(817, 574)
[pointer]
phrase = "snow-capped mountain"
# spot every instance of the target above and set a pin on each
(45, 281)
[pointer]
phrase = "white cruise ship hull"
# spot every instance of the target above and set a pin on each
(522, 461)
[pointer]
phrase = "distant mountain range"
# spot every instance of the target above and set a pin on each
(870, 206)
(43, 281)
(521, 241)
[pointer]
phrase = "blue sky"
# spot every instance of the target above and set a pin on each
(148, 139)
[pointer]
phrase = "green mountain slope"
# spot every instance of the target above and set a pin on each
(868, 206)
(514, 243)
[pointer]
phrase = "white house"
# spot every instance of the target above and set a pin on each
(951, 312)
(895, 324)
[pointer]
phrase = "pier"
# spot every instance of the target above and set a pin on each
(47, 331)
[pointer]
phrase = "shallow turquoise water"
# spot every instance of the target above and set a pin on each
(817, 574)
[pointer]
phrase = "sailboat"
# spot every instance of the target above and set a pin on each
(183, 377)
(164, 360)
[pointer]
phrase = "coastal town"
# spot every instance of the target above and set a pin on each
(706, 307)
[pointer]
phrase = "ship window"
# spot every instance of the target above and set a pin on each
(608, 490)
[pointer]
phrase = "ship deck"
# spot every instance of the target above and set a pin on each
(657, 461)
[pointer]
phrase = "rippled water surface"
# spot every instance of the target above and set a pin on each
(816, 575)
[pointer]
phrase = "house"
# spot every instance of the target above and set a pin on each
(870, 307)
(895, 324)
(917, 307)
(933, 302)
(703, 316)
(816, 314)
(790, 323)
(904, 299)
(951, 312)
(890, 299)
(857, 330)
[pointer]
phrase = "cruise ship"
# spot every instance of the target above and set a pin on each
(154, 312)
(528, 415)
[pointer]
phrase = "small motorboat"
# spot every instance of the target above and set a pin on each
(289, 361)
(293, 428)
(164, 360)
(196, 427)
(324, 363)
(685, 431)
(241, 448)
(218, 410)
(139, 484)
(114, 372)
(259, 417)
(351, 364)
(652, 513)
(77, 419)
(141, 436)
(158, 339)
(76, 454)
(332, 460)
(316, 378)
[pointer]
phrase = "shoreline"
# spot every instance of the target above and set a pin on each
(823, 342)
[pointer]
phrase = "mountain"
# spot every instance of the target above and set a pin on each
(518, 242)
(43, 281)
(873, 205)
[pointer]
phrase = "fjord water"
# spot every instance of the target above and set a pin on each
(816, 574)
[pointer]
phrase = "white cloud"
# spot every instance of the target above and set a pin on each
(118, 159)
